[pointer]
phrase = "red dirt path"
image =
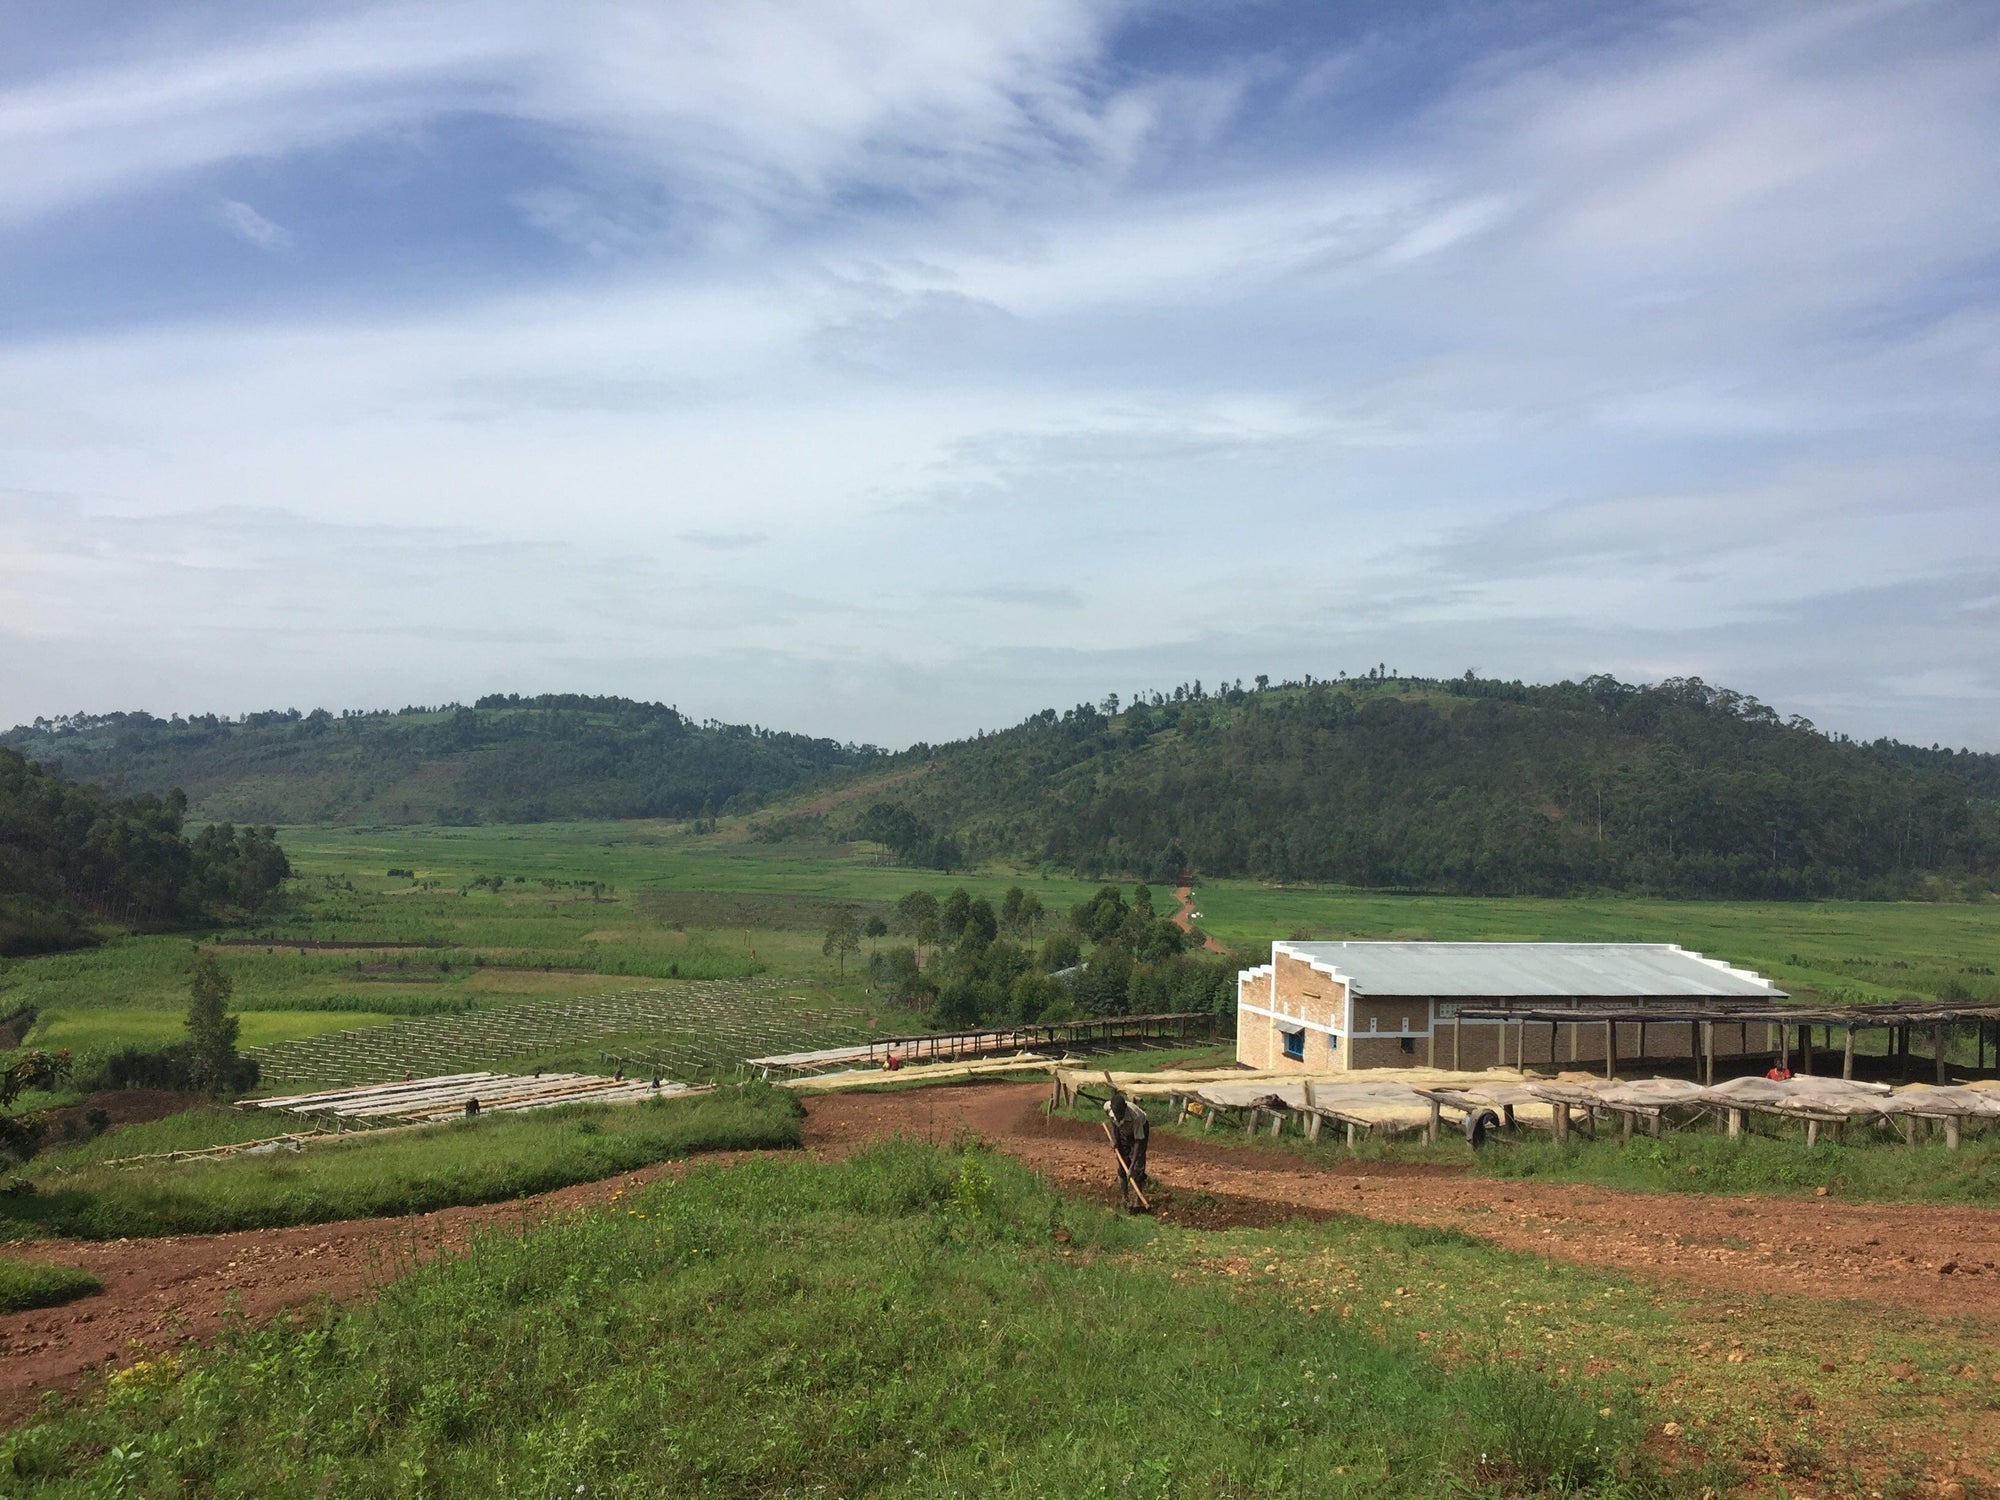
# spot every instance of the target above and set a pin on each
(1184, 918)
(1923, 1260)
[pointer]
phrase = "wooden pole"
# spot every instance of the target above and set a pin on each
(1806, 1049)
(1610, 1049)
(1642, 1041)
(1812, 1134)
(1456, 1023)
(1559, 1117)
(1951, 1126)
(1937, 1048)
(1847, 1055)
(1735, 1124)
(1431, 1128)
(1708, 1053)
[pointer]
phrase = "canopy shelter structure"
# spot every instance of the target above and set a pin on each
(1735, 1028)
(958, 1045)
(423, 1100)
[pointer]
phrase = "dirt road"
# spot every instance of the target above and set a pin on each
(158, 1292)
(1184, 918)
(1921, 1260)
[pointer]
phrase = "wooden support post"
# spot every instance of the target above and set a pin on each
(1313, 1123)
(1642, 1041)
(1903, 1043)
(1735, 1124)
(1559, 1118)
(1431, 1127)
(1806, 1049)
(1625, 1125)
(1654, 1124)
(1909, 1124)
(1256, 1119)
(1937, 1049)
(1784, 1046)
(1812, 1134)
(1951, 1132)
(1610, 1049)
(1350, 1135)
(1708, 1053)
(1207, 1119)
(1456, 1023)
(1847, 1055)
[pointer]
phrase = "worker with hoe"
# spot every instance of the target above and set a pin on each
(1128, 1134)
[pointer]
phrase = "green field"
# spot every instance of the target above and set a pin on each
(369, 1173)
(594, 928)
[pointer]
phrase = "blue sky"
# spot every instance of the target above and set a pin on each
(890, 370)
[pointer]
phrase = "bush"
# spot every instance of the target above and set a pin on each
(169, 1067)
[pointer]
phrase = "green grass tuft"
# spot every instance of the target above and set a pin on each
(28, 1284)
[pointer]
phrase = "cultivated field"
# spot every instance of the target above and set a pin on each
(577, 938)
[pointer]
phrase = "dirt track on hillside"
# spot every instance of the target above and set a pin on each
(158, 1292)
(1921, 1260)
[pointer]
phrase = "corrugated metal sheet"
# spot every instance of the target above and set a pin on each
(1523, 970)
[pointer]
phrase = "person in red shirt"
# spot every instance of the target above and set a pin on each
(1779, 1073)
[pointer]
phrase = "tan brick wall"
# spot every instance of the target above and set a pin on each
(1304, 991)
(1365, 1051)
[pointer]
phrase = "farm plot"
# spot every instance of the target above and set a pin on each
(685, 1029)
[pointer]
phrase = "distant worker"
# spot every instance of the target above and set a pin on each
(472, 1106)
(1128, 1132)
(1779, 1073)
(891, 1062)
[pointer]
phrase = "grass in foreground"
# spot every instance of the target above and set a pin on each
(911, 1322)
(26, 1284)
(399, 1172)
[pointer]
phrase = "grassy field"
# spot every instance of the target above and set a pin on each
(394, 1172)
(917, 1322)
(911, 1322)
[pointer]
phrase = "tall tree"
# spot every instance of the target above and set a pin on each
(211, 1029)
(843, 936)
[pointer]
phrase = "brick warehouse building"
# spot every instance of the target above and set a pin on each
(1332, 1007)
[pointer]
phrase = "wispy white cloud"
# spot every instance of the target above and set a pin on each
(243, 221)
(955, 355)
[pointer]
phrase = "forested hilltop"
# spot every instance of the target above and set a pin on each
(69, 853)
(504, 759)
(1463, 785)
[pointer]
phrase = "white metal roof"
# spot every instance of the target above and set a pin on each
(1521, 970)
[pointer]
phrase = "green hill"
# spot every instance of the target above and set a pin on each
(1465, 785)
(504, 759)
